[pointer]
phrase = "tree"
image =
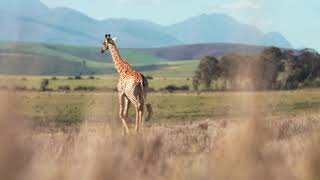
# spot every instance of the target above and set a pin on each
(195, 81)
(208, 70)
(232, 67)
(269, 66)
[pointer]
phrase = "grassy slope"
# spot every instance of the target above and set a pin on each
(74, 56)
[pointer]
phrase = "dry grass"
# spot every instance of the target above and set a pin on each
(254, 148)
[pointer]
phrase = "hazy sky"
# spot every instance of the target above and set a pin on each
(297, 20)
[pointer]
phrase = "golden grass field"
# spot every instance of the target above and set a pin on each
(214, 135)
(256, 145)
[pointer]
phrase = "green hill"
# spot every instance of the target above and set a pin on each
(48, 59)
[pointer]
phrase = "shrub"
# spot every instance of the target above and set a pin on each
(84, 88)
(78, 77)
(44, 84)
(91, 77)
(54, 78)
(64, 88)
(184, 88)
(172, 88)
(70, 78)
(149, 77)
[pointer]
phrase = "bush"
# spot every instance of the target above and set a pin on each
(70, 78)
(78, 77)
(184, 88)
(91, 77)
(64, 88)
(54, 78)
(172, 88)
(149, 77)
(84, 88)
(44, 84)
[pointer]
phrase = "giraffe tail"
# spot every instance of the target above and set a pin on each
(150, 112)
(144, 88)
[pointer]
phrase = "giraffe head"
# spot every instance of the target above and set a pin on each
(107, 40)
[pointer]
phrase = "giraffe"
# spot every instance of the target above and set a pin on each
(132, 86)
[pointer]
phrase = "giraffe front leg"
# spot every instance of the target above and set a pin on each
(121, 113)
(140, 119)
(125, 111)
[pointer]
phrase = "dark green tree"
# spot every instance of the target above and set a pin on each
(208, 70)
(269, 65)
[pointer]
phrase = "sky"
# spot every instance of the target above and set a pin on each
(297, 20)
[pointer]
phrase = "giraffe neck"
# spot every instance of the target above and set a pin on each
(116, 57)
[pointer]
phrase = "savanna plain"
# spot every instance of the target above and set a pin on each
(61, 134)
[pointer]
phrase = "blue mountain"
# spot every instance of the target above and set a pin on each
(32, 21)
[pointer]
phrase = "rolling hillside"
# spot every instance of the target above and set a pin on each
(50, 59)
(45, 59)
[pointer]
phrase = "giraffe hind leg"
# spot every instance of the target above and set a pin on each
(136, 97)
(137, 120)
(140, 118)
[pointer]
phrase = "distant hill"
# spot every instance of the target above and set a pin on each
(198, 51)
(50, 59)
(46, 59)
(32, 21)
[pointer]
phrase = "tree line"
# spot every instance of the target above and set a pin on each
(272, 69)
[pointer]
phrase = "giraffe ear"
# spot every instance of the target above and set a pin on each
(114, 39)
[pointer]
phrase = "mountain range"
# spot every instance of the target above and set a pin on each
(32, 21)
